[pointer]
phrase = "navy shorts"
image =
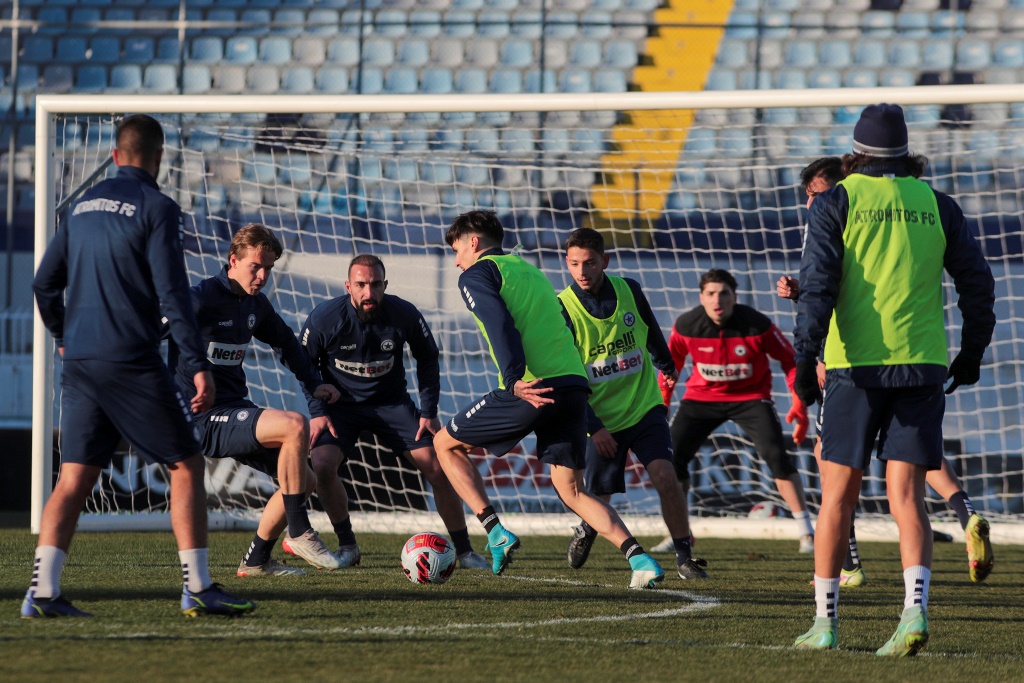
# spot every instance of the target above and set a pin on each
(500, 420)
(102, 401)
(695, 420)
(907, 422)
(229, 431)
(395, 425)
(649, 439)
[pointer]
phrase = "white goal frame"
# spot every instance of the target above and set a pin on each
(49, 106)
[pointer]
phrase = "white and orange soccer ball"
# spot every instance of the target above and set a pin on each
(428, 558)
(764, 510)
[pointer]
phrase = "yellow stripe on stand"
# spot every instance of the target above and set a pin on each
(638, 173)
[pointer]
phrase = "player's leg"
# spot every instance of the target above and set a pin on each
(979, 547)
(258, 559)
(327, 457)
(760, 422)
(288, 431)
(603, 477)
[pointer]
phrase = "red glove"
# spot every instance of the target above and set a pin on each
(666, 390)
(799, 413)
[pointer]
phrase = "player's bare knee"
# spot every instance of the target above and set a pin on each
(297, 427)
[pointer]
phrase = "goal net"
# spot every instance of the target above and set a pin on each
(677, 182)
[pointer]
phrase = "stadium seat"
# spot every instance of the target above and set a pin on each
(256, 20)
(575, 79)
(769, 54)
(1007, 54)
(897, 78)
(721, 79)
(937, 55)
(824, 78)
(275, 50)
(297, 80)
(52, 20)
(70, 50)
(844, 24)
(555, 141)
(912, 25)
(517, 142)
(807, 140)
(532, 81)
(700, 142)
(742, 26)
(982, 23)
(588, 141)
(167, 49)
(105, 50)
(839, 142)
(332, 80)
(37, 50)
(91, 78)
(946, 24)
(610, 80)
(482, 140)
(596, 24)
(401, 81)
(425, 23)
(229, 79)
(413, 52)
(125, 78)
(810, 25)
(139, 49)
(791, 79)
(507, 81)
(378, 52)
(391, 23)
(289, 21)
(208, 50)
(57, 78)
(973, 54)
(869, 53)
(905, 53)
(493, 24)
(527, 24)
(262, 79)
(309, 51)
(459, 24)
(160, 79)
(322, 22)
(835, 53)
(369, 81)
(195, 79)
(775, 25)
(878, 24)
(561, 25)
(437, 81)
(379, 139)
(783, 116)
(754, 79)
(83, 19)
(481, 53)
(585, 54)
(860, 78)
(226, 16)
(241, 50)
(343, 52)
(471, 81)
(734, 54)
(621, 54)
(443, 140)
(516, 53)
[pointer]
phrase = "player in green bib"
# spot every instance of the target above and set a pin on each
(542, 389)
(622, 349)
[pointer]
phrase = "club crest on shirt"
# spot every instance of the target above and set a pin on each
(740, 351)
(387, 345)
(629, 319)
(252, 320)
(242, 415)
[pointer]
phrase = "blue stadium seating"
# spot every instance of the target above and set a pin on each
(937, 55)
(125, 78)
(506, 81)
(378, 52)
(596, 24)
(309, 51)
(425, 23)
(459, 24)
(791, 79)
(401, 81)
(229, 79)
(481, 53)
(332, 80)
(207, 50)
(70, 50)
(561, 25)
(37, 50)
(973, 54)
(390, 23)
(911, 24)
(575, 80)
(224, 15)
(527, 24)
(610, 80)
(471, 81)
(275, 50)
(860, 78)
(369, 81)
(493, 24)
(721, 79)
(878, 24)
(836, 54)
(105, 50)
(896, 78)
(167, 49)
(824, 78)
(413, 52)
(343, 52)
(240, 50)
(742, 26)
(160, 79)
(196, 79)
(139, 49)
(1008, 53)
(905, 53)
(869, 53)
(57, 78)
(257, 22)
(91, 78)
(322, 22)
(945, 24)
(437, 81)
(621, 54)
(517, 53)
(289, 21)
(53, 20)
(262, 79)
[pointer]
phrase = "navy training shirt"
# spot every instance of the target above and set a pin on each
(228, 321)
(114, 270)
(364, 360)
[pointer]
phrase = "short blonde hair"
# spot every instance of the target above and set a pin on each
(258, 237)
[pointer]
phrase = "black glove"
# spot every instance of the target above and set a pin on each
(806, 383)
(965, 369)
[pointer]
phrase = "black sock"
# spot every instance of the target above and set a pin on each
(961, 505)
(630, 548)
(460, 539)
(588, 530)
(489, 518)
(852, 559)
(295, 511)
(683, 550)
(344, 531)
(259, 551)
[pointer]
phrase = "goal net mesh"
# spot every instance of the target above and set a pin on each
(675, 193)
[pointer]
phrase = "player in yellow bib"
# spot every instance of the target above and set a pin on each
(619, 342)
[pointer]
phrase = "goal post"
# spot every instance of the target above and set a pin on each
(678, 183)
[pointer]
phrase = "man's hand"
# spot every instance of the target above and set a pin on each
(430, 425)
(821, 375)
(531, 393)
(206, 392)
(327, 392)
(788, 287)
(805, 386)
(667, 384)
(317, 426)
(605, 443)
(964, 370)
(799, 413)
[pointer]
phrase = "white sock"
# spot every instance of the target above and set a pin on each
(826, 596)
(46, 571)
(916, 580)
(195, 568)
(805, 520)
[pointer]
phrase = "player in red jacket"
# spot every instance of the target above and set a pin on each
(730, 345)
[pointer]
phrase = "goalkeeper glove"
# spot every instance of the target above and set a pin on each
(666, 388)
(799, 413)
(805, 386)
(965, 369)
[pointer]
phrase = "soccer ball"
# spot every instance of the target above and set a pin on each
(428, 558)
(764, 511)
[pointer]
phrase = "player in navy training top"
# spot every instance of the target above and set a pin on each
(231, 310)
(357, 342)
(100, 287)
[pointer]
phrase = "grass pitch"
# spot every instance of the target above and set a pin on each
(541, 622)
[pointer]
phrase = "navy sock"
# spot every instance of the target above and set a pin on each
(460, 539)
(259, 551)
(852, 560)
(630, 548)
(295, 510)
(489, 518)
(961, 505)
(683, 550)
(344, 531)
